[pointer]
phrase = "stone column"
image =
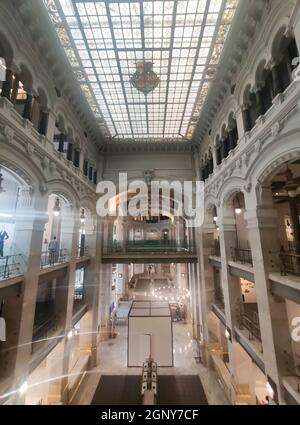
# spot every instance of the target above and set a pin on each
(51, 126)
(230, 284)
(262, 231)
(31, 216)
(93, 294)
(205, 236)
(240, 122)
(69, 295)
(196, 163)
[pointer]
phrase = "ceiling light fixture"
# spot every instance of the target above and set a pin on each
(82, 216)
(145, 79)
(236, 203)
(56, 208)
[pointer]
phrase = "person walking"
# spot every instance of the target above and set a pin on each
(53, 250)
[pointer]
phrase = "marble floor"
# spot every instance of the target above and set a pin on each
(114, 362)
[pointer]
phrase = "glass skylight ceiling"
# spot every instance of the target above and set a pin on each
(104, 39)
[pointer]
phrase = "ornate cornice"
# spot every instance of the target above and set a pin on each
(159, 147)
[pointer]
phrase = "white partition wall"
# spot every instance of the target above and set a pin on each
(150, 334)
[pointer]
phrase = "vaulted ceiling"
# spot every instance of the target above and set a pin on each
(105, 40)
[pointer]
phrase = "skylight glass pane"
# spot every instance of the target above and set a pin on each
(105, 39)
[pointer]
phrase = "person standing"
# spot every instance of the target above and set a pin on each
(53, 250)
(3, 237)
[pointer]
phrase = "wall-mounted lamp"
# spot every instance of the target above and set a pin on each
(70, 334)
(56, 208)
(182, 275)
(82, 216)
(228, 334)
(236, 202)
(215, 218)
(120, 275)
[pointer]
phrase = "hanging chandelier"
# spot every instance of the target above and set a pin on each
(145, 79)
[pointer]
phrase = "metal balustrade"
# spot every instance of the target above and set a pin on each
(290, 364)
(289, 263)
(150, 245)
(219, 298)
(252, 325)
(51, 259)
(242, 255)
(11, 265)
(216, 249)
(83, 251)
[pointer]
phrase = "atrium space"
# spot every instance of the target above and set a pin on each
(149, 203)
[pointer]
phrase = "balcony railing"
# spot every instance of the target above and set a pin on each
(83, 251)
(290, 364)
(11, 265)
(149, 245)
(252, 325)
(45, 323)
(51, 259)
(289, 263)
(242, 255)
(216, 250)
(219, 298)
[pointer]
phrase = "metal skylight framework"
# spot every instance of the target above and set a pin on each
(104, 39)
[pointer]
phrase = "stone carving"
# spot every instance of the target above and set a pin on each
(43, 188)
(8, 133)
(45, 162)
(52, 167)
(248, 187)
(30, 149)
(275, 130)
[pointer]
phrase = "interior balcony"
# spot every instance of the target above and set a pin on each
(11, 266)
(49, 260)
(149, 251)
(241, 253)
(47, 332)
